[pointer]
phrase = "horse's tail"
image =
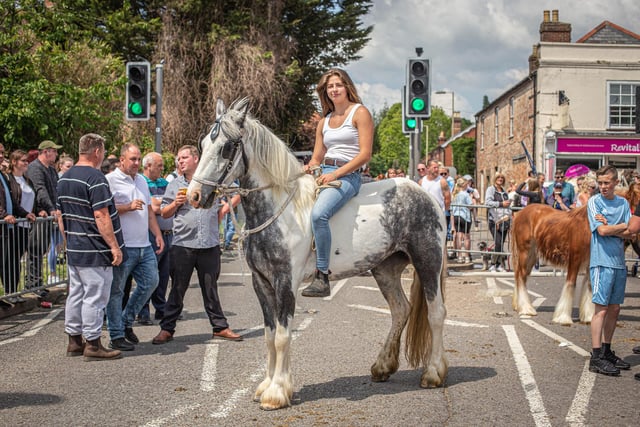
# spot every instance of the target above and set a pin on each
(418, 336)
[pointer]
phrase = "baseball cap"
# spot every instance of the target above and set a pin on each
(468, 177)
(48, 144)
(557, 185)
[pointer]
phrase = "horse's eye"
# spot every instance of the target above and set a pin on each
(227, 150)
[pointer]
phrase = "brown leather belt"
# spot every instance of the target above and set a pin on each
(166, 232)
(333, 162)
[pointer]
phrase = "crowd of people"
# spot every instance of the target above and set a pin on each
(123, 222)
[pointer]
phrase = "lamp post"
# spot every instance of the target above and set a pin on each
(442, 92)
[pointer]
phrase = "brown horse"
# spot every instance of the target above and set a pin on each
(562, 239)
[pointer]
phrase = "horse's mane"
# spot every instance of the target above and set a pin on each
(270, 159)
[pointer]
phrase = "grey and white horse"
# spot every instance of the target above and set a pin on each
(389, 225)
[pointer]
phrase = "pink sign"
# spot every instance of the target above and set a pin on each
(599, 145)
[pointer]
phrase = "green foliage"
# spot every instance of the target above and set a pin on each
(464, 156)
(391, 147)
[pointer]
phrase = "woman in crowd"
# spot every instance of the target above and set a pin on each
(65, 163)
(497, 199)
(24, 196)
(588, 188)
(461, 220)
(533, 193)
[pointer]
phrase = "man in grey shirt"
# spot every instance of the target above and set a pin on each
(196, 244)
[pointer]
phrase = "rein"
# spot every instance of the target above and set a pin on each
(228, 191)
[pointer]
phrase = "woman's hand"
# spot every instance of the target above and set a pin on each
(327, 178)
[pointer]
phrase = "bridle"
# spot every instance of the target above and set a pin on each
(230, 151)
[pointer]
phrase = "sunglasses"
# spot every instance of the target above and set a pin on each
(421, 169)
(444, 174)
(559, 176)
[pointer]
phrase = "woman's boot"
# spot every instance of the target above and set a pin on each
(319, 287)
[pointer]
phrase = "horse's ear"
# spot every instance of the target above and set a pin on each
(219, 108)
(242, 105)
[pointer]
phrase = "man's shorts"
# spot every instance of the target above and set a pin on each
(608, 285)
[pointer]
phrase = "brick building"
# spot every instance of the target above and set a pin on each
(576, 106)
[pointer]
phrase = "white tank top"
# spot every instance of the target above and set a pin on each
(341, 142)
(435, 188)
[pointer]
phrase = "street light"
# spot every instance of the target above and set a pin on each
(442, 92)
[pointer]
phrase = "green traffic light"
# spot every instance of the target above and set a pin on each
(417, 104)
(135, 108)
(411, 123)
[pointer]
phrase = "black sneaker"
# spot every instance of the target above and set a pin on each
(637, 376)
(121, 344)
(616, 361)
(636, 350)
(603, 366)
(131, 336)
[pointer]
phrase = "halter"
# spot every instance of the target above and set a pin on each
(230, 151)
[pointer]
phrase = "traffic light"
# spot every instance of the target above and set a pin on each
(409, 124)
(138, 100)
(418, 93)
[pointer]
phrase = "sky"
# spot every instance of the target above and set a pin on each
(475, 47)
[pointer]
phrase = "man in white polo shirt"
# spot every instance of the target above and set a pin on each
(132, 199)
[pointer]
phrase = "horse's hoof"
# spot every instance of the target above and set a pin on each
(380, 378)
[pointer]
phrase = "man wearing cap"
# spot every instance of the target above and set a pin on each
(43, 176)
(566, 190)
(556, 199)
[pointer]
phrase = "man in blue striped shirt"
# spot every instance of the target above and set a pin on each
(94, 246)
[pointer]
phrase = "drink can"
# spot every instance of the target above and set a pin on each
(45, 304)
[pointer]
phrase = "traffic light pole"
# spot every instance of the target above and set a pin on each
(158, 115)
(414, 150)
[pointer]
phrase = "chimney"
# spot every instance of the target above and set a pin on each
(457, 123)
(554, 31)
(534, 61)
(441, 138)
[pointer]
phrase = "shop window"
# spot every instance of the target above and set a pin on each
(622, 105)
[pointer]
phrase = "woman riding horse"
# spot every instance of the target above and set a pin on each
(344, 140)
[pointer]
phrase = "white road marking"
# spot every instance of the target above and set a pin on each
(209, 365)
(368, 288)
(556, 337)
(336, 289)
(225, 408)
(493, 290)
(387, 311)
(513, 285)
(42, 323)
(235, 274)
(580, 404)
(531, 391)
(35, 328)
(178, 412)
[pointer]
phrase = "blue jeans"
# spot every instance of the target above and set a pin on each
(229, 229)
(159, 296)
(329, 201)
(52, 257)
(142, 265)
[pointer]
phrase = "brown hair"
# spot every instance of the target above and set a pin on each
(15, 156)
(325, 102)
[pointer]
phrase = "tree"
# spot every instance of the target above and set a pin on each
(485, 102)
(53, 90)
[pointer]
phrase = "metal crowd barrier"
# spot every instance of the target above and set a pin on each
(32, 257)
(482, 241)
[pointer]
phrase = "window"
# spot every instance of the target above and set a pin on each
(511, 117)
(622, 105)
(495, 120)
